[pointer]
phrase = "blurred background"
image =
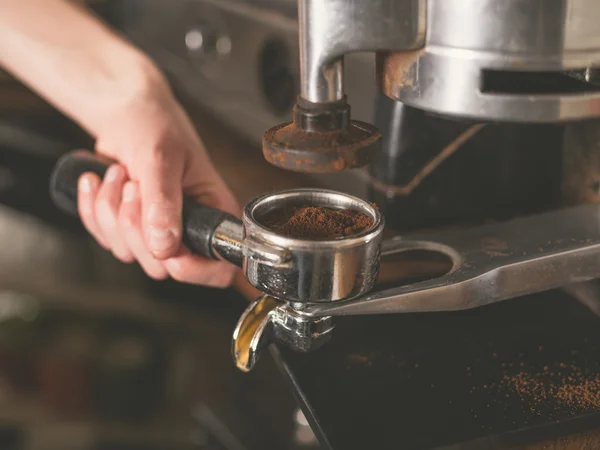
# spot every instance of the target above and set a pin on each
(95, 355)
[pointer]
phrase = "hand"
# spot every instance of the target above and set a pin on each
(135, 211)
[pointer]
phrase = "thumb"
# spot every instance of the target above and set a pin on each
(162, 197)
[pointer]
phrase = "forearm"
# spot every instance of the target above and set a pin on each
(72, 59)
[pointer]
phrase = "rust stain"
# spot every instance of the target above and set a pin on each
(292, 148)
(492, 243)
(398, 70)
(494, 247)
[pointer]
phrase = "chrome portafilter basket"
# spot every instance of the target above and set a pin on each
(308, 271)
(292, 272)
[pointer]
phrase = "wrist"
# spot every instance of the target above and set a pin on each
(137, 84)
(83, 69)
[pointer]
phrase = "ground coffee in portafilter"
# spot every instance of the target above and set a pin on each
(317, 222)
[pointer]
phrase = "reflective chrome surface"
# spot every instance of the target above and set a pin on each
(459, 57)
(302, 270)
(227, 242)
(447, 48)
(317, 271)
(253, 332)
(490, 264)
(329, 29)
(266, 321)
(466, 39)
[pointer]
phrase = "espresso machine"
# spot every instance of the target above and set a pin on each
(487, 113)
(479, 148)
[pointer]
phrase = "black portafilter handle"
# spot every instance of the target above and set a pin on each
(199, 221)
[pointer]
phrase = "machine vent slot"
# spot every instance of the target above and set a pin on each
(540, 83)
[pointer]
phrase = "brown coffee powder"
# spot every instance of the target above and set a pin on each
(317, 222)
(558, 388)
(569, 388)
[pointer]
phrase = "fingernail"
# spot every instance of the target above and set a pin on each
(85, 184)
(161, 240)
(112, 173)
(129, 192)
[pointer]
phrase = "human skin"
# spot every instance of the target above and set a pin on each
(116, 93)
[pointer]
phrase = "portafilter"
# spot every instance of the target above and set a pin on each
(294, 271)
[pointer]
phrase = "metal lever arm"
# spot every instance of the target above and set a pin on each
(490, 264)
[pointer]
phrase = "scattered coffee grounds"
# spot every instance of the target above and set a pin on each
(569, 389)
(557, 389)
(317, 222)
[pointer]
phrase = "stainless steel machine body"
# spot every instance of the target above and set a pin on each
(468, 58)
(478, 59)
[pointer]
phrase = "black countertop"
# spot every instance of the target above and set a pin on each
(424, 381)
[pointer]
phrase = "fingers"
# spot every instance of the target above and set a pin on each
(89, 184)
(162, 197)
(112, 211)
(189, 268)
(184, 266)
(108, 203)
(131, 230)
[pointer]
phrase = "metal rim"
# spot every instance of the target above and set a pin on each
(254, 227)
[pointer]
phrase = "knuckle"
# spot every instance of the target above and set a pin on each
(163, 214)
(106, 213)
(109, 195)
(85, 205)
(177, 271)
(103, 205)
(86, 211)
(123, 256)
(128, 220)
(157, 273)
(159, 157)
(221, 277)
(114, 175)
(178, 276)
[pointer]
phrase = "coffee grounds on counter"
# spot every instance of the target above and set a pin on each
(317, 222)
(551, 391)
(568, 388)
